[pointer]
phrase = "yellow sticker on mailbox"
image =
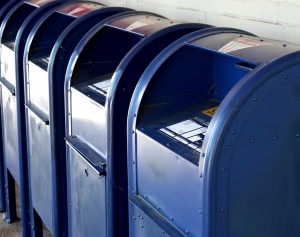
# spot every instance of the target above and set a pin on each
(210, 112)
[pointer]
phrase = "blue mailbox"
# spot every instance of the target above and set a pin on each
(100, 78)
(3, 3)
(4, 9)
(15, 27)
(213, 139)
(45, 56)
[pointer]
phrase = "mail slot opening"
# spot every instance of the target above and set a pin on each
(93, 73)
(182, 110)
(45, 39)
(13, 25)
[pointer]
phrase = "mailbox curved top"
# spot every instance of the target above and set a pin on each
(249, 85)
(135, 22)
(67, 41)
(5, 8)
(16, 16)
(141, 24)
(3, 3)
(71, 10)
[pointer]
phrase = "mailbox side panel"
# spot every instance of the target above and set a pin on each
(263, 178)
(87, 195)
(40, 167)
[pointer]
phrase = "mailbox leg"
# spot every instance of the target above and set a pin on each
(11, 210)
(37, 224)
(2, 187)
(2, 177)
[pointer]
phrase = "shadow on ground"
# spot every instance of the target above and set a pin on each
(15, 229)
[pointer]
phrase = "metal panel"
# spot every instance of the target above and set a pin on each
(88, 194)
(88, 121)
(252, 148)
(8, 67)
(40, 167)
(10, 133)
(170, 183)
(9, 117)
(4, 9)
(38, 86)
(142, 225)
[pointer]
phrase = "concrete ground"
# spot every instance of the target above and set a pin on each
(10, 230)
(15, 229)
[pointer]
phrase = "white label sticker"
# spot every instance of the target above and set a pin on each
(181, 140)
(241, 43)
(194, 138)
(184, 127)
(167, 132)
(192, 146)
(192, 133)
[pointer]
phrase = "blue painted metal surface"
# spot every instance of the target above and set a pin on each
(20, 42)
(4, 9)
(205, 144)
(15, 163)
(60, 55)
(98, 91)
(3, 3)
(44, 104)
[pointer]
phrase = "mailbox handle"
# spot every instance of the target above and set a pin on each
(40, 114)
(244, 66)
(88, 153)
(8, 85)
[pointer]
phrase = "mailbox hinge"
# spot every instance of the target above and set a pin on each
(88, 153)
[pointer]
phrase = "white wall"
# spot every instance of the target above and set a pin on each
(276, 19)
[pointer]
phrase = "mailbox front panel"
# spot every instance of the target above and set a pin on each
(88, 194)
(9, 118)
(38, 87)
(40, 167)
(88, 121)
(169, 183)
(8, 66)
(9, 107)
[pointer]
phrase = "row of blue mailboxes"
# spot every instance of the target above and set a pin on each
(123, 123)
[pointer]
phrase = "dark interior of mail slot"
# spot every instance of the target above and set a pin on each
(46, 36)
(99, 60)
